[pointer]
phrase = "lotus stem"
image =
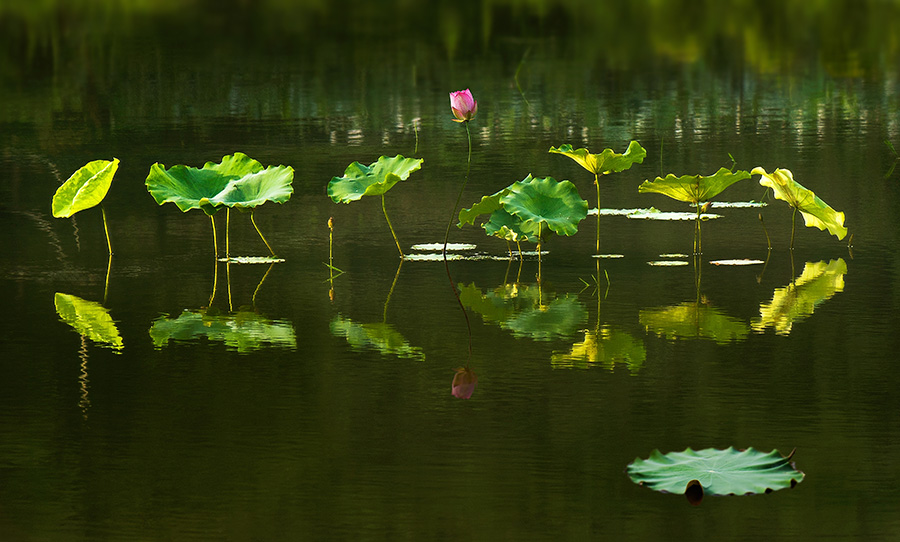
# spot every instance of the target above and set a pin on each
(384, 210)
(106, 229)
(597, 184)
(106, 284)
(228, 281)
(228, 233)
(272, 252)
(540, 225)
(768, 241)
(215, 242)
(793, 226)
(258, 286)
(390, 293)
(330, 248)
(215, 281)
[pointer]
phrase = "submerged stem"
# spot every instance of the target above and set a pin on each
(106, 229)
(253, 220)
(384, 209)
(258, 286)
(390, 293)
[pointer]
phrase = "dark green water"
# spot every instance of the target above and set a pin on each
(303, 431)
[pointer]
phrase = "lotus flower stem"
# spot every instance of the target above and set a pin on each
(384, 209)
(272, 252)
(106, 229)
(698, 246)
(597, 184)
(228, 233)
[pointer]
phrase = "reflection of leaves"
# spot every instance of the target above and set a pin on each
(692, 320)
(379, 336)
(818, 282)
(89, 319)
(720, 472)
(816, 213)
(604, 347)
(243, 331)
(520, 310)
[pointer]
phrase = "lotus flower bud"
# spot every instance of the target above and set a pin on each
(463, 105)
(464, 383)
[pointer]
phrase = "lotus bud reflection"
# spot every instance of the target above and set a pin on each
(464, 383)
(463, 105)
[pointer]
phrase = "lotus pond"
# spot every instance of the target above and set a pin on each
(315, 385)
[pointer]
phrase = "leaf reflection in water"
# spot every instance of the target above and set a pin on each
(818, 282)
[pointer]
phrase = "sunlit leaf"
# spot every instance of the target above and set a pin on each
(607, 161)
(817, 283)
(85, 188)
(243, 331)
(604, 347)
(486, 206)
(545, 203)
(719, 472)
(253, 189)
(375, 179)
(693, 188)
(693, 320)
(816, 213)
(379, 336)
(90, 319)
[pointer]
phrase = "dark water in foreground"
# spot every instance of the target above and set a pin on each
(301, 408)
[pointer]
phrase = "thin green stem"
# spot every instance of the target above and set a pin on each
(106, 284)
(391, 292)
(228, 233)
(258, 286)
(215, 281)
(766, 231)
(699, 241)
(106, 229)
(793, 226)
(272, 252)
(540, 224)
(228, 282)
(597, 184)
(384, 209)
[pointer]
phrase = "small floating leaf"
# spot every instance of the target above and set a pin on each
(719, 472)
(85, 188)
(440, 246)
(654, 214)
(816, 213)
(667, 263)
(737, 262)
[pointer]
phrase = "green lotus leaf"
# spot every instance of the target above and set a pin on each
(243, 331)
(693, 320)
(506, 226)
(607, 161)
(536, 201)
(252, 190)
(719, 472)
(486, 206)
(693, 188)
(235, 165)
(90, 319)
(603, 347)
(378, 336)
(186, 187)
(85, 188)
(372, 180)
(818, 282)
(816, 213)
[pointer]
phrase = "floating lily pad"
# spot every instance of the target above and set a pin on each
(619, 212)
(434, 257)
(673, 255)
(440, 246)
(667, 263)
(608, 256)
(654, 214)
(89, 319)
(718, 472)
(737, 262)
(251, 259)
(736, 204)
(817, 283)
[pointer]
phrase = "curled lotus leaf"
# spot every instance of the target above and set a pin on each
(540, 201)
(90, 319)
(816, 213)
(85, 188)
(607, 161)
(719, 472)
(373, 180)
(252, 190)
(694, 188)
(486, 206)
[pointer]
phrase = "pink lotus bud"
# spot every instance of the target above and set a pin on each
(463, 105)
(464, 383)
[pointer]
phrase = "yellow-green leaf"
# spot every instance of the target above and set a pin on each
(90, 319)
(607, 161)
(85, 188)
(693, 188)
(816, 213)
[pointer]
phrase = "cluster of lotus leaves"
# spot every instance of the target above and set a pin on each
(607, 161)
(86, 188)
(718, 472)
(373, 180)
(526, 209)
(237, 181)
(816, 213)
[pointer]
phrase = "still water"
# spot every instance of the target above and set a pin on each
(282, 402)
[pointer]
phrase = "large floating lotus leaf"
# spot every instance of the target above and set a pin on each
(90, 319)
(372, 180)
(187, 187)
(692, 320)
(719, 472)
(271, 184)
(85, 188)
(693, 188)
(378, 336)
(604, 347)
(607, 161)
(543, 203)
(244, 331)
(816, 213)
(818, 282)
